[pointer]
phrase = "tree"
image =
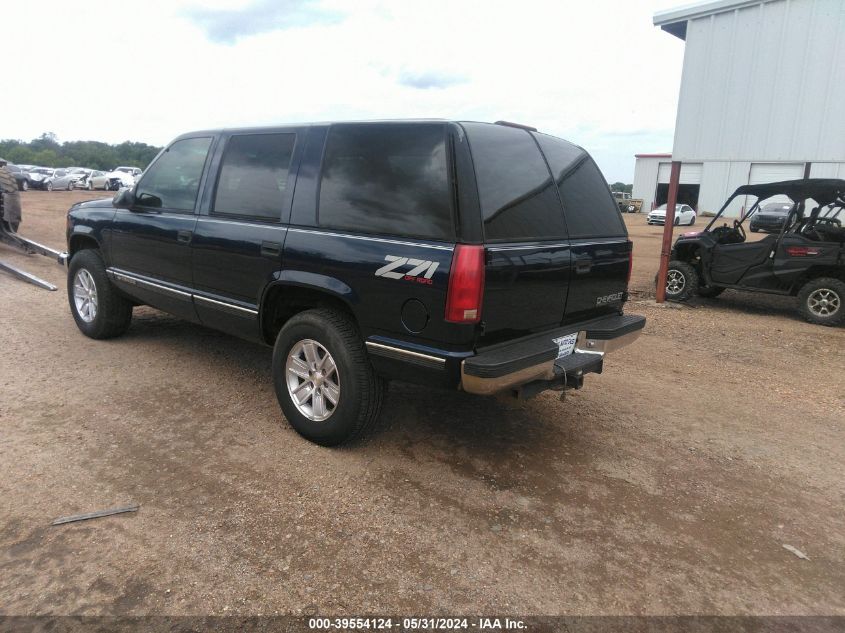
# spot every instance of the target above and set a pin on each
(48, 152)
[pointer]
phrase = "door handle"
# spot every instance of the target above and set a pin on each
(184, 237)
(271, 249)
(583, 266)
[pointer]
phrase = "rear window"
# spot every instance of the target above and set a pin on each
(589, 208)
(254, 175)
(518, 200)
(387, 179)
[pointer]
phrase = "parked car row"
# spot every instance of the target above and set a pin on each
(69, 178)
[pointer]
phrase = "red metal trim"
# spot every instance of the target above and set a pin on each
(668, 227)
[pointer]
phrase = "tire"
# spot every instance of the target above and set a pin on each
(49, 186)
(359, 393)
(822, 301)
(112, 312)
(681, 281)
(709, 292)
(90, 185)
(70, 185)
(692, 222)
(677, 222)
(24, 186)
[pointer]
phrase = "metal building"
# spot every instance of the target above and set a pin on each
(762, 98)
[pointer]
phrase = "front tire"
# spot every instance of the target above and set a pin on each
(49, 186)
(681, 281)
(24, 186)
(821, 300)
(324, 381)
(99, 310)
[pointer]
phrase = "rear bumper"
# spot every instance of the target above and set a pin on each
(531, 365)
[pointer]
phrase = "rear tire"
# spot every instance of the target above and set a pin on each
(49, 186)
(337, 349)
(681, 281)
(24, 185)
(822, 301)
(106, 313)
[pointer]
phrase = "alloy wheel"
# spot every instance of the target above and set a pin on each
(85, 295)
(824, 302)
(675, 282)
(313, 380)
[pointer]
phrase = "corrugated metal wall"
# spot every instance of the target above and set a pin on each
(764, 83)
(645, 180)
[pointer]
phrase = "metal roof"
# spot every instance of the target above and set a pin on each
(674, 21)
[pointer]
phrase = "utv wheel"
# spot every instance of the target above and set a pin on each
(821, 301)
(324, 382)
(708, 292)
(99, 310)
(681, 281)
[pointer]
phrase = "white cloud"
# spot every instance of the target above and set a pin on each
(598, 74)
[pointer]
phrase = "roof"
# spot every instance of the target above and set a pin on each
(674, 21)
(822, 190)
(658, 155)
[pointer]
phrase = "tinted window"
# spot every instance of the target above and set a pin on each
(254, 175)
(173, 180)
(518, 200)
(590, 209)
(387, 178)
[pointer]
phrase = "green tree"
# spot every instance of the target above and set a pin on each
(47, 151)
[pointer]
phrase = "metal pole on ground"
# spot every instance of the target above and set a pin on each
(668, 226)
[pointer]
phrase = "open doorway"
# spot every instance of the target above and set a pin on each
(687, 194)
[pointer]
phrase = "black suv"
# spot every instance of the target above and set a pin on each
(485, 257)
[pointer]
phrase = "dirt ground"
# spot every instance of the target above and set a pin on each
(668, 485)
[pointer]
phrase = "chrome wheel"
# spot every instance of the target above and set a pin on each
(675, 282)
(312, 379)
(85, 295)
(824, 302)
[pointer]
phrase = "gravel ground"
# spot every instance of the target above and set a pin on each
(668, 485)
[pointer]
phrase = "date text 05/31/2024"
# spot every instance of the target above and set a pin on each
(416, 624)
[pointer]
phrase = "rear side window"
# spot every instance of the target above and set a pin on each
(518, 198)
(254, 175)
(590, 209)
(387, 178)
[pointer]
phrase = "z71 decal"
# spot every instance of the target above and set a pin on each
(420, 270)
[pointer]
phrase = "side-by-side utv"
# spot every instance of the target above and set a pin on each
(805, 259)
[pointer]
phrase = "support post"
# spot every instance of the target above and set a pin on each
(668, 227)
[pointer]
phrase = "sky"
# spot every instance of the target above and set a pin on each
(595, 72)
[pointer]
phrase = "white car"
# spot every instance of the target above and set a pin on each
(684, 214)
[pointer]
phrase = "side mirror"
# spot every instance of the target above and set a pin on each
(124, 199)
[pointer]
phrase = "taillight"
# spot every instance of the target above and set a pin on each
(466, 285)
(802, 251)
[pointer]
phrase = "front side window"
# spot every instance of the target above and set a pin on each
(518, 200)
(589, 208)
(172, 182)
(387, 178)
(254, 175)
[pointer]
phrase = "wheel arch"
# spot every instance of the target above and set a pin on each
(814, 272)
(81, 241)
(299, 291)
